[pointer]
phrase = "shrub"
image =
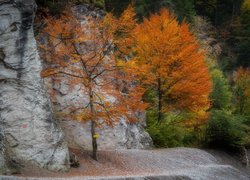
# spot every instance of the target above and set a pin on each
(221, 95)
(226, 130)
(169, 133)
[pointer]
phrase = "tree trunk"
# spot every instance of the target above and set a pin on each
(106, 4)
(160, 115)
(94, 142)
(93, 123)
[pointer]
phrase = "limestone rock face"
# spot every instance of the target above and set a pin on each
(3, 166)
(122, 136)
(25, 111)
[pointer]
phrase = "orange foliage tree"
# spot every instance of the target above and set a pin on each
(84, 53)
(123, 40)
(168, 58)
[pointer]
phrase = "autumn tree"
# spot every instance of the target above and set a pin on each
(123, 40)
(84, 54)
(168, 58)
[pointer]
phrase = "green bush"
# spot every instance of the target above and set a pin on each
(169, 133)
(226, 130)
(221, 96)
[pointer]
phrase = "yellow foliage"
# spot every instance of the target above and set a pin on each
(96, 136)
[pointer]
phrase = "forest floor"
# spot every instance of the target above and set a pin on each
(173, 163)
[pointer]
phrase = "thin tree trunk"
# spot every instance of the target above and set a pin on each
(93, 124)
(160, 115)
(94, 142)
(105, 5)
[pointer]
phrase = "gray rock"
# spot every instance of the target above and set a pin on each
(3, 166)
(25, 111)
(122, 136)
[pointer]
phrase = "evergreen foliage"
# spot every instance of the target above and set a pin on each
(116, 7)
(243, 49)
(168, 133)
(221, 95)
(242, 91)
(226, 130)
(184, 9)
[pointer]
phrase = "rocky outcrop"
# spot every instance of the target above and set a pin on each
(123, 135)
(3, 166)
(25, 111)
(204, 31)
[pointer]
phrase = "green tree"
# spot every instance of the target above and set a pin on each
(242, 91)
(219, 11)
(226, 130)
(116, 6)
(170, 133)
(221, 95)
(184, 9)
(243, 47)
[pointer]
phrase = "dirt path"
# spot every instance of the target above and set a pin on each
(174, 163)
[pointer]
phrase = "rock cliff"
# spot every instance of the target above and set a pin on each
(30, 131)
